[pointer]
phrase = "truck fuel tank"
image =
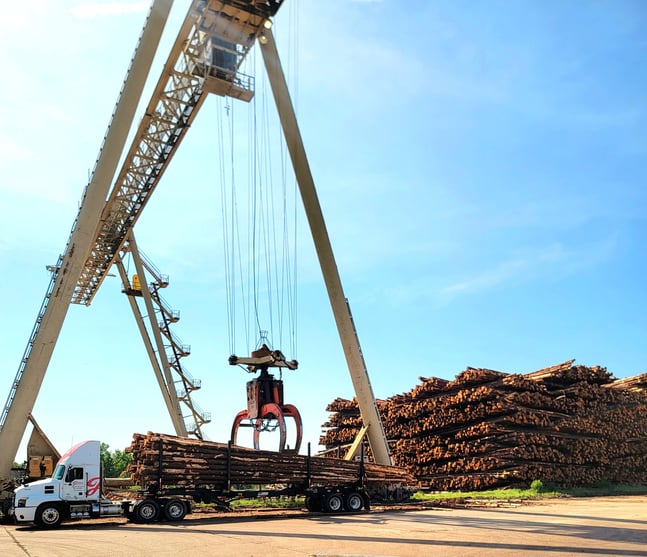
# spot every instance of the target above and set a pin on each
(107, 508)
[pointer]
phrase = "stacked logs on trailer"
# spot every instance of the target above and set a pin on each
(568, 425)
(179, 461)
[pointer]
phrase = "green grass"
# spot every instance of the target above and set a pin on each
(537, 491)
(268, 503)
(610, 489)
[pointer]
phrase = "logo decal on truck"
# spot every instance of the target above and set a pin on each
(94, 484)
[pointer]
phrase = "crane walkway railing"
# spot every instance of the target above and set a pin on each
(175, 344)
(187, 382)
(165, 121)
(160, 278)
(198, 419)
(173, 315)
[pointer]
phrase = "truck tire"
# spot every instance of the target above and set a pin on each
(48, 515)
(146, 511)
(313, 503)
(333, 503)
(175, 510)
(353, 502)
(5, 517)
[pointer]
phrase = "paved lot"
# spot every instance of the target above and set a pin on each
(602, 526)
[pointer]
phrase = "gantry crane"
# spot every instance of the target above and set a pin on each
(214, 39)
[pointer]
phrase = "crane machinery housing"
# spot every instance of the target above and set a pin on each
(213, 41)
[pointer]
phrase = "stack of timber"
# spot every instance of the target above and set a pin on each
(192, 462)
(569, 425)
(637, 384)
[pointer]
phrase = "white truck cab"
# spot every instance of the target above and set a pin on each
(73, 491)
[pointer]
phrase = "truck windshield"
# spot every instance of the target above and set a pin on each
(59, 472)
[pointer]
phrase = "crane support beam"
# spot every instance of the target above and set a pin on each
(165, 360)
(162, 371)
(150, 349)
(174, 411)
(65, 274)
(357, 443)
(341, 310)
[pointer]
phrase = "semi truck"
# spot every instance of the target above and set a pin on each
(75, 491)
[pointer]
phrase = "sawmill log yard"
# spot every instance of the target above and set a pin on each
(489, 463)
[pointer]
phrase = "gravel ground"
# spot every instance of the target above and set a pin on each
(611, 526)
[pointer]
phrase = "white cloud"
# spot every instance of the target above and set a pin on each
(486, 279)
(91, 11)
(556, 261)
(373, 73)
(551, 263)
(15, 18)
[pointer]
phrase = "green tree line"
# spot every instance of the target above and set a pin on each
(114, 462)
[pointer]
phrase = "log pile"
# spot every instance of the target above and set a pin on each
(637, 384)
(196, 463)
(569, 425)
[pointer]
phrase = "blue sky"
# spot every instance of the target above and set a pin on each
(481, 167)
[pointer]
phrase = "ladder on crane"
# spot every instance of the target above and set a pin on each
(30, 342)
(165, 349)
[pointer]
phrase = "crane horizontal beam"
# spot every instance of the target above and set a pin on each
(213, 41)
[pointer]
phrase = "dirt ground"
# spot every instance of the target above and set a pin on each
(611, 526)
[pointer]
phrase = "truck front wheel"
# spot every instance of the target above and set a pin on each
(146, 511)
(48, 515)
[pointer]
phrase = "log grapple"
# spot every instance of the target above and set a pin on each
(266, 409)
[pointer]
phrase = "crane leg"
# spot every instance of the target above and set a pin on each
(341, 310)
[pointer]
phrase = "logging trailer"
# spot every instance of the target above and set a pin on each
(75, 492)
